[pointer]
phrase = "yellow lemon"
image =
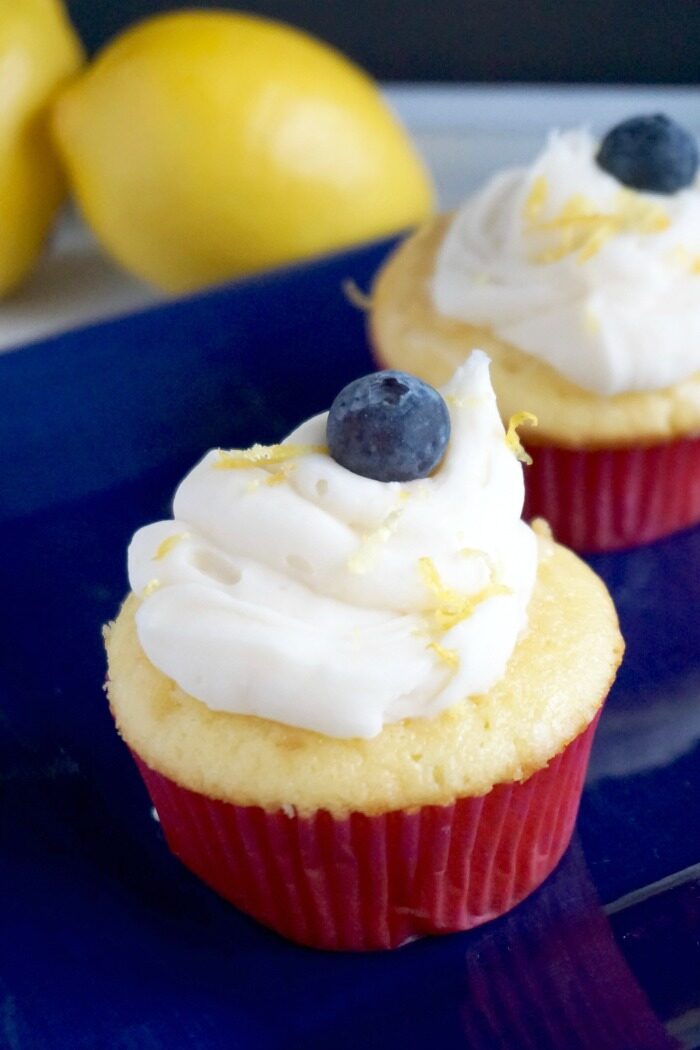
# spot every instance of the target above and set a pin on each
(38, 51)
(204, 145)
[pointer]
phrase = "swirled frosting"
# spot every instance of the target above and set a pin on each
(563, 262)
(290, 588)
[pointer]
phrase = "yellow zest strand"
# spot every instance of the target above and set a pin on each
(512, 437)
(581, 229)
(591, 321)
(150, 587)
(578, 228)
(452, 606)
(592, 245)
(354, 294)
(463, 402)
(536, 199)
(263, 455)
(167, 545)
(448, 656)
(278, 476)
(363, 558)
(639, 215)
(680, 256)
(474, 552)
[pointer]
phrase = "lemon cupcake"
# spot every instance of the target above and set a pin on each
(580, 276)
(360, 689)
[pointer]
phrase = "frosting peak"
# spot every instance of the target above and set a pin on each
(561, 260)
(290, 588)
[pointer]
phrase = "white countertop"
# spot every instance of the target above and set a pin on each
(465, 133)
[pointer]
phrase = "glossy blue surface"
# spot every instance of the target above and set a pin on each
(105, 940)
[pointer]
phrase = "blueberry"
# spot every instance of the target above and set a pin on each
(650, 153)
(388, 426)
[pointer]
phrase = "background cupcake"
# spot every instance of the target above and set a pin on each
(363, 707)
(580, 277)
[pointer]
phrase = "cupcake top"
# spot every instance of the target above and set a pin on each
(589, 259)
(290, 587)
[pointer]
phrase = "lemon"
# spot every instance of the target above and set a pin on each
(205, 145)
(38, 51)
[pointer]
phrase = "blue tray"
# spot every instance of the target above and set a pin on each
(105, 940)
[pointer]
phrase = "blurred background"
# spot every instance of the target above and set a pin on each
(476, 83)
(608, 41)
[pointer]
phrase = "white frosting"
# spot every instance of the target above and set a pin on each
(619, 313)
(304, 601)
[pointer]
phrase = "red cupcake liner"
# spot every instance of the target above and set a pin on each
(609, 499)
(368, 882)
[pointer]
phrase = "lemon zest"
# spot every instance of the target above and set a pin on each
(591, 321)
(463, 402)
(682, 257)
(278, 476)
(641, 215)
(582, 229)
(354, 294)
(603, 232)
(474, 552)
(452, 606)
(364, 557)
(263, 455)
(512, 437)
(448, 656)
(168, 543)
(532, 209)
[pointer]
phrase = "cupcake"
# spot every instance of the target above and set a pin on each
(361, 691)
(580, 276)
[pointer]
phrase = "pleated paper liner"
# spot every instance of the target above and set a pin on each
(610, 499)
(364, 882)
